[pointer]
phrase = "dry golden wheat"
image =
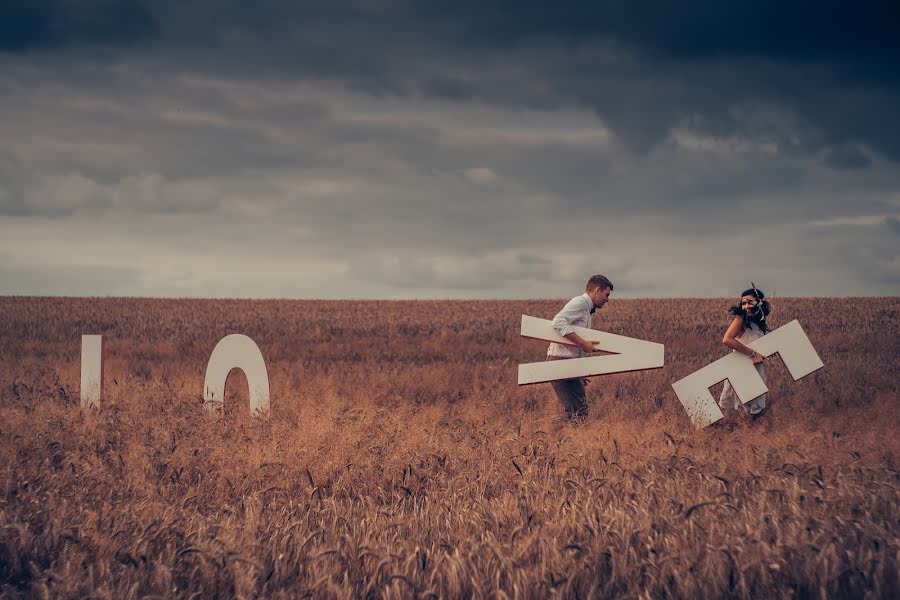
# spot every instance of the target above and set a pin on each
(400, 458)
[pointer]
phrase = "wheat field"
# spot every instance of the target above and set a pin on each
(400, 459)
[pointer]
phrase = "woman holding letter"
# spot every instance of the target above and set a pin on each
(748, 325)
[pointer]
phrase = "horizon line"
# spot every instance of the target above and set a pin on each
(415, 299)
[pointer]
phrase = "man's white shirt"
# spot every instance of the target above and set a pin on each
(576, 313)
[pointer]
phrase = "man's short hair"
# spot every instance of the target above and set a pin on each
(598, 281)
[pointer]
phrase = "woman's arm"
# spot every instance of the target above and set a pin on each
(730, 340)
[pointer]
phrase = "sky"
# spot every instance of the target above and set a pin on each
(406, 149)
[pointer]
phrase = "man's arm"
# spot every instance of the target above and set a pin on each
(562, 323)
(581, 342)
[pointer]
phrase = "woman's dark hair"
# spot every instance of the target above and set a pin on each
(757, 316)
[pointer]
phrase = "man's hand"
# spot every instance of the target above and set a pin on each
(582, 343)
(587, 346)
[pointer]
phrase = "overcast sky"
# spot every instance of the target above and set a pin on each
(403, 149)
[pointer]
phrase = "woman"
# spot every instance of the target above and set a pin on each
(748, 325)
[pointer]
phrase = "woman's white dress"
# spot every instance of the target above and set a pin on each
(728, 399)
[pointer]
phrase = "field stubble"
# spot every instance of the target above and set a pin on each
(400, 458)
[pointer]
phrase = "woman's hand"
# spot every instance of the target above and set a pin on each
(757, 358)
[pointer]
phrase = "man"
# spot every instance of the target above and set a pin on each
(577, 313)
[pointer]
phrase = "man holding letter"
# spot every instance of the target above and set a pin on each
(577, 313)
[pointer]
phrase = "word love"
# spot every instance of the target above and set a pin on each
(238, 351)
(234, 351)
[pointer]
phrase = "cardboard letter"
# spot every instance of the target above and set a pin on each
(788, 341)
(631, 354)
(237, 351)
(91, 370)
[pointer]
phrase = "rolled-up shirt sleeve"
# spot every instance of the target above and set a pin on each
(574, 309)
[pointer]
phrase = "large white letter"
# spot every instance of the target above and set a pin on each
(631, 354)
(788, 341)
(237, 351)
(91, 370)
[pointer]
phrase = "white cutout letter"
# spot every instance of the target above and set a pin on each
(237, 351)
(788, 341)
(91, 370)
(631, 354)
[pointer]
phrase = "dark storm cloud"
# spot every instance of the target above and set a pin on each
(493, 149)
(806, 31)
(27, 25)
(830, 64)
(892, 224)
(847, 156)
